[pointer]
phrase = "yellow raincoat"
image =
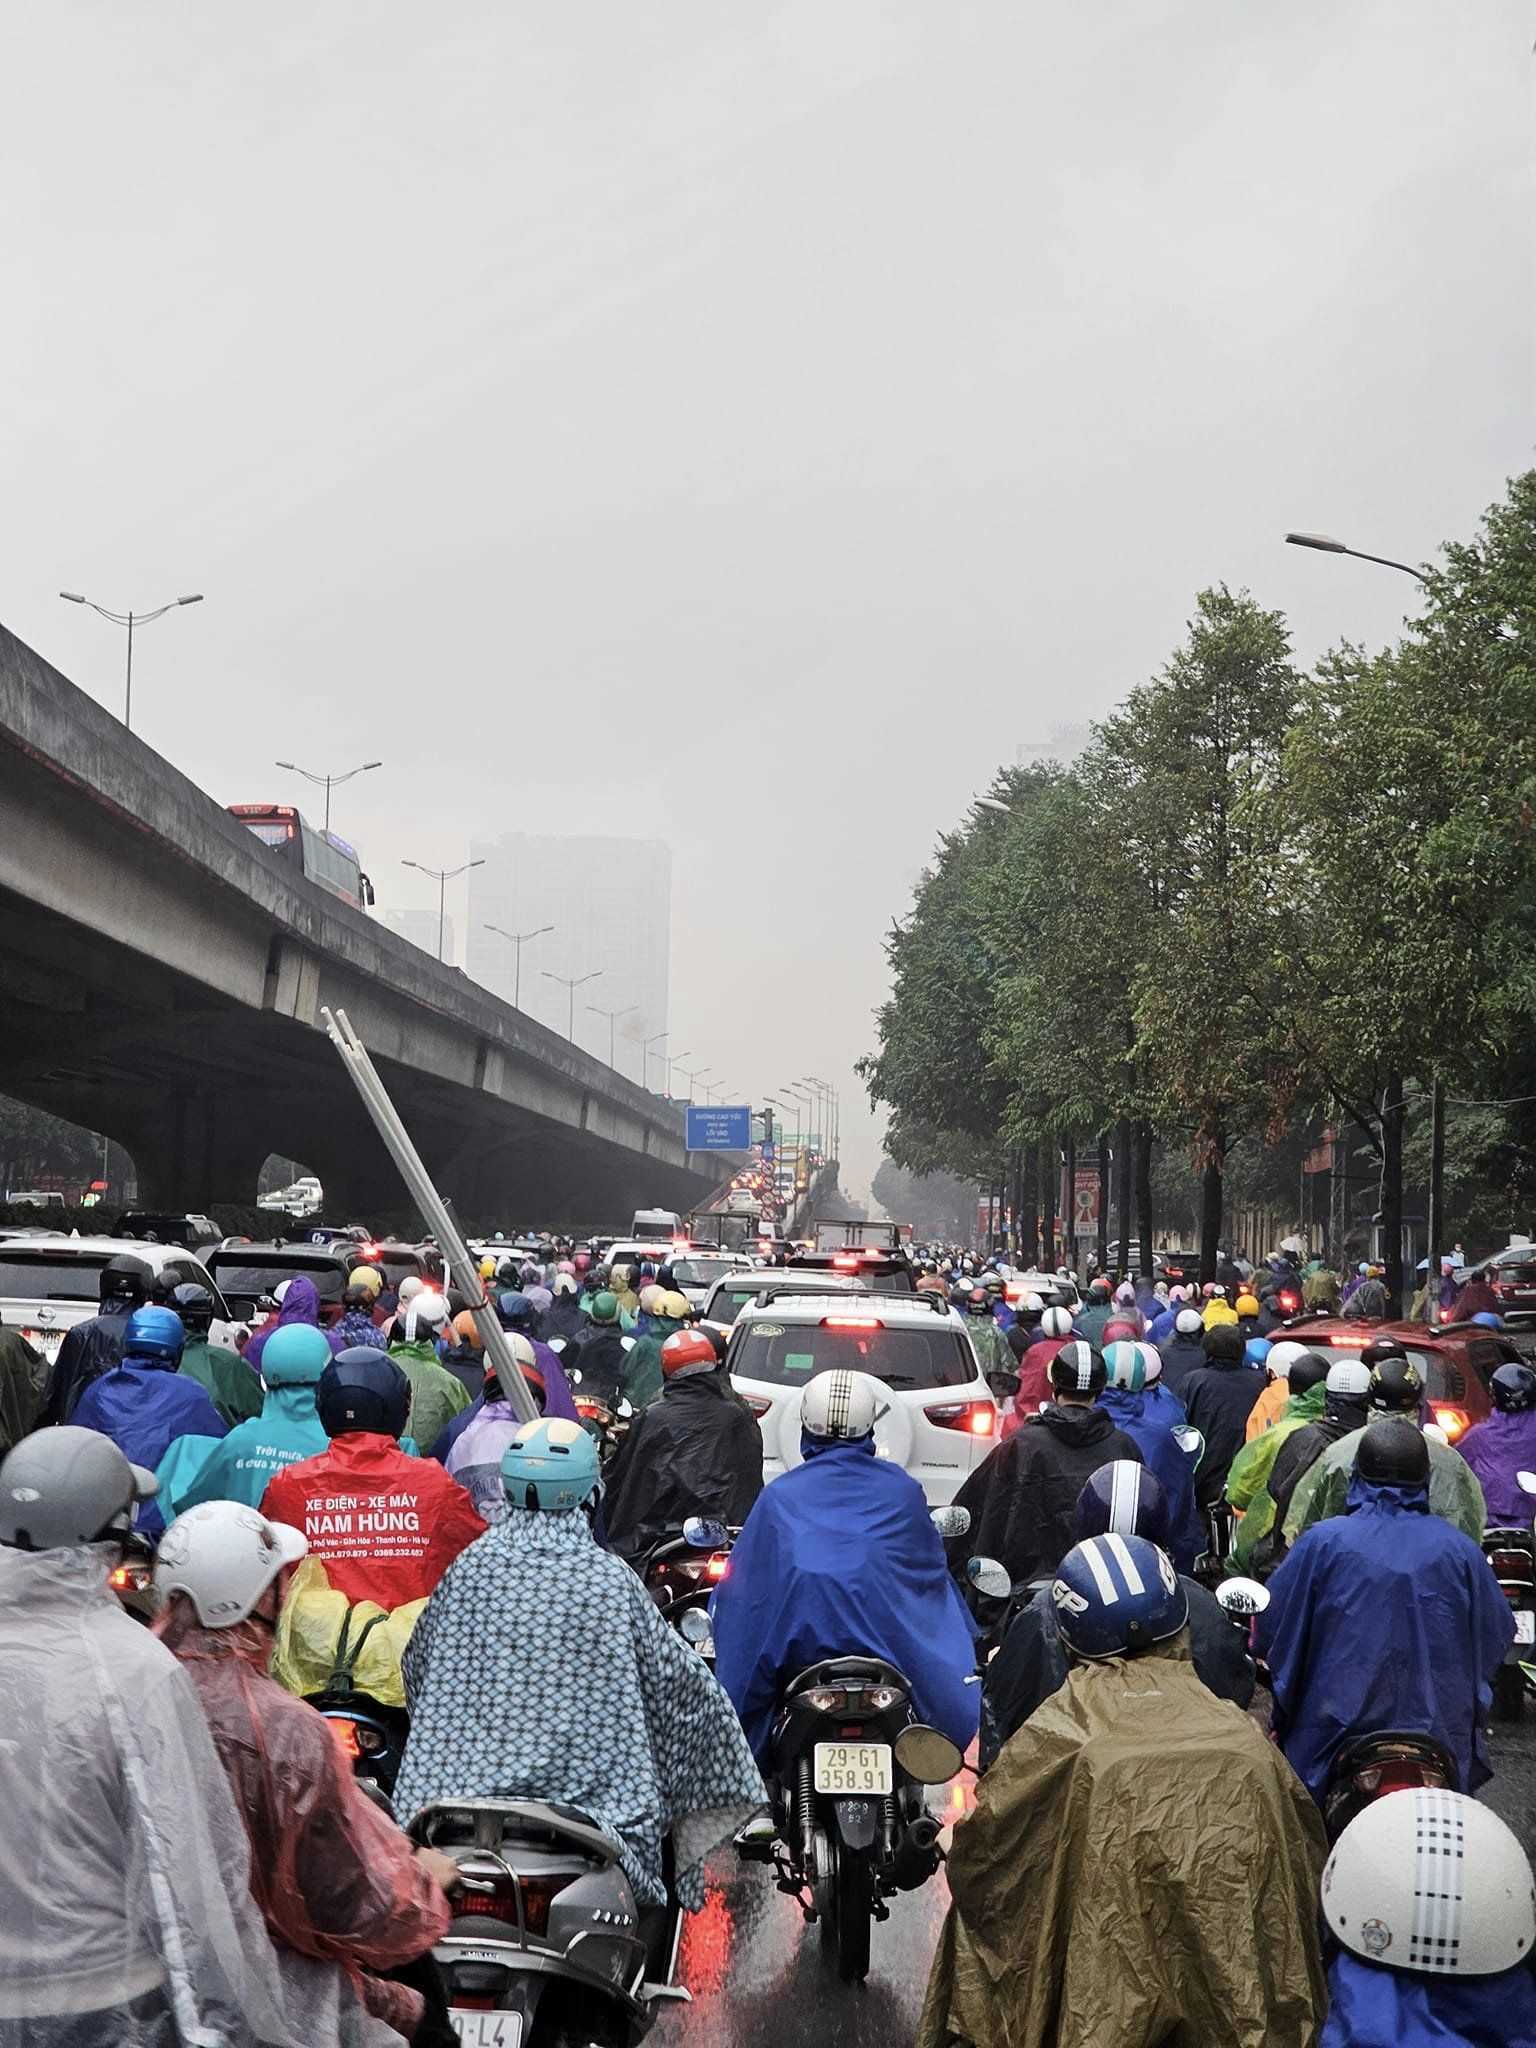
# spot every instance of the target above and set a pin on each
(1141, 1871)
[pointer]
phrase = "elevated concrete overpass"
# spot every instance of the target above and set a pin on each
(162, 975)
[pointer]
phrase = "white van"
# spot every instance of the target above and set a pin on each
(657, 1225)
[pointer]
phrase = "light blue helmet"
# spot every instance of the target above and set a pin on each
(295, 1355)
(1256, 1351)
(550, 1465)
(1115, 1595)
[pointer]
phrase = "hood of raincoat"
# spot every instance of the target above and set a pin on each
(1497, 1450)
(839, 1558)
(137, 1873)
(1384, 1618)
(286, 1431)
(1132, 1750)
(585, 1695)
(1145, 1425)
(1454, 1493)
(300, 1304)
(697, 1451)
(144, 1409)
(474, 1456)
(1370, 2006)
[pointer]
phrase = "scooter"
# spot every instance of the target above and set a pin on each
(1511, 1552)
(132, 1579)
(681, 1574)
(547, 1947)
(372, 1735)
(1374, 1765)
(1243, 1601)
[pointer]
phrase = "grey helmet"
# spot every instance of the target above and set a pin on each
(67, 1486)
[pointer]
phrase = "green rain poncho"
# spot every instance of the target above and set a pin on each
(990, 1345)
(1454, 1494)
(233, 1387)
(1248, 1480)
(642, 1364)
(436, 1395)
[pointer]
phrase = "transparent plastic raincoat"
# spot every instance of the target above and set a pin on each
(126, 1916)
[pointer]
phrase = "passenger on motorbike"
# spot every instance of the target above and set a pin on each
(94, 1346)
(1030, 1664)
(356, 1324)
(519, 1315)
(601, 1353)
(1131, 1784)
(696, 1451)
(233, 1386)
(1271, 1403)
(23, 1388)
(1384, 1619)
(987, 1340)
(286, 1431)
(472, 1446)
(126, 1919)
(643, 1376)
(341, 1892)
(1254, 1466)
(542, 1670)
(144, 1404)
(1505, 1445)
(437, 1395)
(1345, 1393)
(1182, 1350)
(838, 1558)
(1138, 1406)
(385, 1526)
(1034, 1378)
(1429, 1896)
(1219, 1396)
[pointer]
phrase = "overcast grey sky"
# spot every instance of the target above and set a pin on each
(743, 424)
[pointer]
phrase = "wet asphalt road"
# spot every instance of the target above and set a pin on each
(758, 1980)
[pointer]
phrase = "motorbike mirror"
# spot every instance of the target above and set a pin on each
(626, 1408)
(926, 1755)
(700, 1533)
(1189, 1440)
(574, 1375)
(1243, 1596)
(951, 1521)
(989, 1577)
(557, 1345)
(1433, 1429)
(1526, 1481)
(693, 1626)
(628, 1343)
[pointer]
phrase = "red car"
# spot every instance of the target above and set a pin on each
(1458, 1359)
(1512, 1276)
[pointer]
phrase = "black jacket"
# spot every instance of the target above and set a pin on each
(565, 1317)
(1022, 1499)
(1181, 1356)
(598, 1354)
(696, 1451)
(89, 1349)
(1217, 1399)
(1031, 1664)
(1300, 1452)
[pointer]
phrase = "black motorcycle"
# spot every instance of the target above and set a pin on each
(1511, 1552)
(681, 1573)
(372, 1735)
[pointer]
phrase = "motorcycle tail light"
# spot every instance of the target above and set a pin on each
(1454, 1421)
(344, 1733)
(1402, 1774)
(1507, 1564)
(717, 1566)
(500, 1902)
(879, 1698)
(826, 1699)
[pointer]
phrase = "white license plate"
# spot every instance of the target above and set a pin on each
(488, 2029)
(49, 1342)
(853, 1769)
(1525, 1624)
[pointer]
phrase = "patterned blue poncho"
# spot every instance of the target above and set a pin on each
(541, 1669)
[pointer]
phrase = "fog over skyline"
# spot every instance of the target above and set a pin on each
(744, 427)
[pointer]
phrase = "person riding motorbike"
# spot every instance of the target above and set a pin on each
(1130, 1783)
(385, 1526)
(1131, 1397)
(126, 1919)
(519, 1315)
(286, 1431)
(1096, 1312)
(987, 1340)
(298, 1301)
(233, 1387)
(1218, 1396)
(1407, 1976)
(94, 1346)
(1345, 1410)
(1023, 1495)
(470, 1449)
(696, 1451)
(1271, 1403)
(1034, 1380)
(356, 1323)
(1397, 1387)
(23, 1388)
(1184, 1351)
(563, 1318)
(1030, 1664)
(600, 1354)
(643, 1378)
(437, 1395)
(1248, 1480)
(1504, 1445)
(593, 1700)
(144, 1404)
(839, 1558)
(1384, 1619)
(342, 1894)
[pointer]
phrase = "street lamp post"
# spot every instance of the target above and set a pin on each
(613, 1017)
(519, 939)
(326, 782)
(645, 1062)
(675, 1060)
(697, 1074)
(570, 984)
(130, 620)
(831, 1106)
(442, 877)
(1327, 546)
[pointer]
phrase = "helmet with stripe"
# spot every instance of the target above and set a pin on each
(1124, 1497)
(1133, 1365)
(1115, 1596)
(1078, 1369)
(840, 1404)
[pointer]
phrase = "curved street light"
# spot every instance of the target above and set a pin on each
(442, 877)
(326, 782)
(519, 940)
(130, 620)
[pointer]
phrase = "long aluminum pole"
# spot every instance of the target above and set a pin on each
(466, 1274)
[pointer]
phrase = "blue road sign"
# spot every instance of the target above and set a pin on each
(767, 1151)
(721, 1128)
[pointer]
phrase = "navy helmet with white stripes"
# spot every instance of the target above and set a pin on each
(1124, 1498)
(1078, 1369)
(1115, 1596)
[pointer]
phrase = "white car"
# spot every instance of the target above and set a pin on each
(939, 1419)
(696, 1272)
(48, 1284)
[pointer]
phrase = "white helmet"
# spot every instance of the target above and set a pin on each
(224, 1556)
(1189, 1322)
(1056, 1322)
(428, 1312)
(522, 1349)
(1432, 1881)
(839, 1404)
(1348, 1376)
(409, 1288)
(1033, 1305)
(1282, 1357)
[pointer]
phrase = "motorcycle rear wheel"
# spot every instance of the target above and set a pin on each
(853, 1902)
(1508, 1693)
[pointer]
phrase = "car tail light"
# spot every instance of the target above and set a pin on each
(1401, 1775)
(852, 1323)
(1454, 1421)
(845, 1262)
(759, 1405)
(976, 1418)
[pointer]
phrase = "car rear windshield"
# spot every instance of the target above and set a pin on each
(1519, 1265)
(701, 1272)
(46, 1277)
(1441, 1381)
(256, 1280)
(395, 1266)
(881, 1276)
(788, 1354)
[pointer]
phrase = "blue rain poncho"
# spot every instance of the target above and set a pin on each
(542, 1670)
(1373, 2007)
(839, 1558)
(1384, 1618)
(1142, 1417)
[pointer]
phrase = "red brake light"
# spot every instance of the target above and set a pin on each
(1454, 1421)
(846, 1262)
(718, 1566)
(1401, 1775)
(500, 1902)
(758, 1405)
(976, 1418)
(345, 1734)
(852, 1323)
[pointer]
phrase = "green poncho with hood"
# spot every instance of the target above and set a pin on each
(1248, 1480)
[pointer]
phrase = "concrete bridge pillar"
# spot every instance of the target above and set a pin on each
(199, 1150)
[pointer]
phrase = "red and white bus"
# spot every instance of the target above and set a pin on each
(322, 856)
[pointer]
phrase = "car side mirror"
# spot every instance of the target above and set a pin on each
(951, 1521)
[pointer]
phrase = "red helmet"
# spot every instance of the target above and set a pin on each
(686, 1347)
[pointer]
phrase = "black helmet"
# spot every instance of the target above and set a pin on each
(1393, 1453)
(1379, 1350)
(123, 1279)
(359, 1298)
(1397, 1387)
(1513, 1388)
(1223, 1344)
(163, 1286)
(194, 1304)
(1308, 1371)
(1078, 1368)
(362, 1389)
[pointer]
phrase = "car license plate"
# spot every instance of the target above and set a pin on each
(49, 1342)
(488, 2029)
(1525, 1624)
(859, 1768)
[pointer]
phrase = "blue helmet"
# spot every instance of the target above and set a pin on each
(156, 1334)
(1488, 1319)
(516, 1312)
(551, 1465)
(362, 1389)
(1255, 1351)
(1124, 1497)
(1115, 1596)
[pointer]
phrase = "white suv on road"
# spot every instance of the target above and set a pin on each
(939, 1418)
(48, 1284)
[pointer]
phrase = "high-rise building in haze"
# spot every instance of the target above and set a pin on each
(420, 928)
(610, 903)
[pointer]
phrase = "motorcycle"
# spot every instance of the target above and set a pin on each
(1243, 1601)
(1374, 1765)
(132, 1579)
(681, 1574)
(1511, 1552)
(606, 1422)
(547, 1947)
(372, 1735)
